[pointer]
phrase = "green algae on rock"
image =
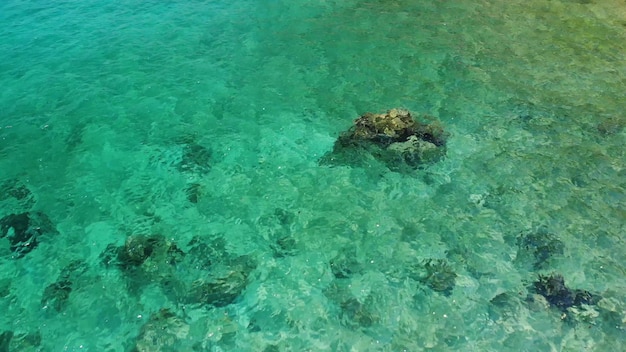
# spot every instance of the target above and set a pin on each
(395, 138)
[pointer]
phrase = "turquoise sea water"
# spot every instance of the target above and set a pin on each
(189, 134)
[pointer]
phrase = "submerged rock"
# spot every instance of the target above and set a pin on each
(23, 231)
(218, 292)
(5, 340)
(394, 138)
(57, 294)
(612, 125)
(138, 248)
(284, 246)
(15, 189)
(195, 159)
(353, 312)
(504, 306)
(204, 275)
(164, 331)
(357, 314)
(193, 192)
(145, 260)
(203, 253)
(10, 341)
(345, 265)
(223, 285)
(553, 289)
(437, 275)
(540, 245)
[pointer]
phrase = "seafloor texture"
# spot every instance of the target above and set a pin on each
(163, 184)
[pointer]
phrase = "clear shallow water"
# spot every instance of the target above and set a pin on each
(206, 120)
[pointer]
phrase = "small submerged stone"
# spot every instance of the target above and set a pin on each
(56, 295)
(5, 340)
(284, 246)
(203, 254)
(504, 306)
(353, 312)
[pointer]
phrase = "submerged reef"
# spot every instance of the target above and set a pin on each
(196, 159)
(218, 291)
(15, 189)
(395, 138)
(276, 228)
(164, 331)
(345, 264)
(553, 289)
(611, 125)
(213, 277)
(10, 341)
(24, 230)
(358, 315)
(538, 247)
(504, 306)
(138, 249)
(436, 274)
(354, 312)
(57, 294)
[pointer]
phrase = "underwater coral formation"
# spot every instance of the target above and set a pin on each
(395, 138)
